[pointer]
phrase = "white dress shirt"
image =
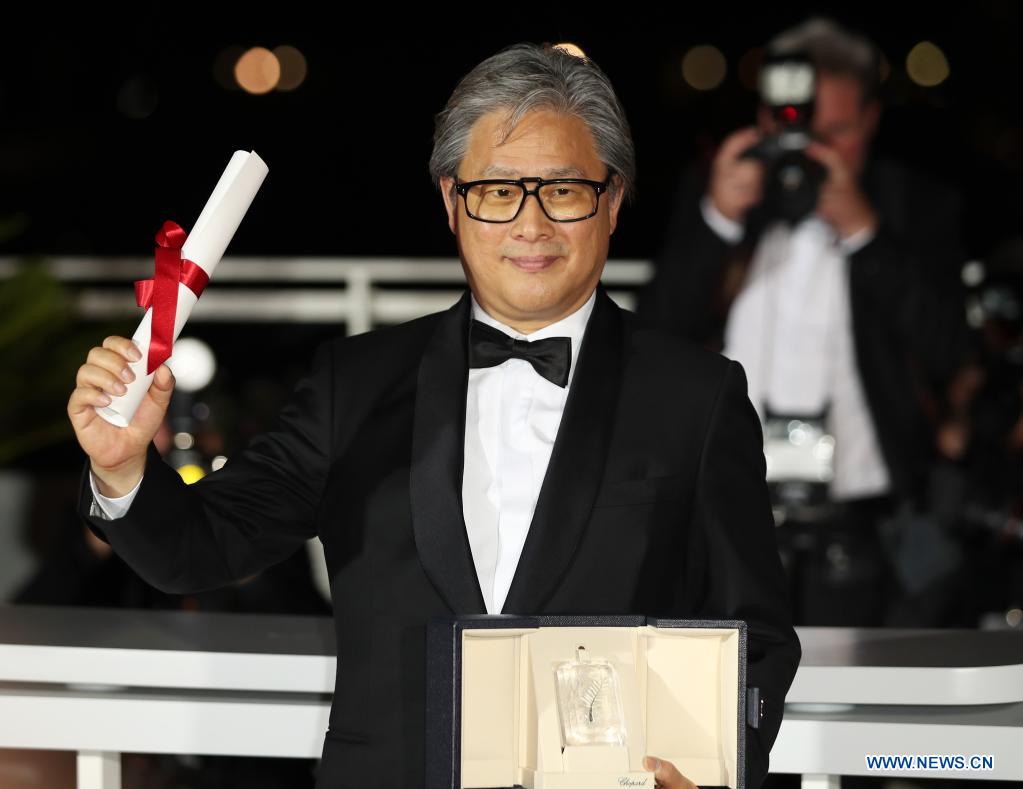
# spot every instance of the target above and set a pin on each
(791, 329)
(512, 417)
(109, 508)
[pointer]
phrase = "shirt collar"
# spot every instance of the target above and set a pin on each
(573, 326)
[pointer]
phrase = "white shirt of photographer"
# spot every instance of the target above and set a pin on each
(512, 416)
(791, 329)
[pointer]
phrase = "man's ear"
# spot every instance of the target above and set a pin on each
(447, 191)
(614, 200)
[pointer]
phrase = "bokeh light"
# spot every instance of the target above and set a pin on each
(293, 67)
(704, 67)
(258, 71)
(927, 65)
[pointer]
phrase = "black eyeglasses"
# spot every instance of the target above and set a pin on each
(561, 199)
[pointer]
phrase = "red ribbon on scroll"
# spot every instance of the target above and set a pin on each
(161, 292)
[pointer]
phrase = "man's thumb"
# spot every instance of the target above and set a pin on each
(154, 405)
(163, 385)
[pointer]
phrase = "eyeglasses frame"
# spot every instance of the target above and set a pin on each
(600, 187)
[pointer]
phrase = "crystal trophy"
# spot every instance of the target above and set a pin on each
(589, 701)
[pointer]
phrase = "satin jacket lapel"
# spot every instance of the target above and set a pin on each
(577, 463)
(438, 437)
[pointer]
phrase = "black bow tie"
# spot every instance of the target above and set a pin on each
(551, 357)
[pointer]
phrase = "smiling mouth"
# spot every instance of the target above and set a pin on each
(533, 262)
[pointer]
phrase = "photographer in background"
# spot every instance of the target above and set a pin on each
(833, 278)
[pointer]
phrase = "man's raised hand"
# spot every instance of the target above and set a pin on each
(117, 455)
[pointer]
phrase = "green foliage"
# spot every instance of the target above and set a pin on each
(42, 345)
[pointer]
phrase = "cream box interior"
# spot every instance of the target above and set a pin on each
(680, 693)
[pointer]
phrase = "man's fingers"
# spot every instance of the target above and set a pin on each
(123, 346)
(84, 398)
(91, 375)
(112, 361)
(739, 141)
(82, 405)
(107, 367)
(666, 774)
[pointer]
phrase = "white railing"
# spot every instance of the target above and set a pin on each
(359, 292)
(103, 682)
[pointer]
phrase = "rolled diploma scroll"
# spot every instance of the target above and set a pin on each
(205, 246)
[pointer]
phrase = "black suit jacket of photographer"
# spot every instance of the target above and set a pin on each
(907, 301)
(654, 503)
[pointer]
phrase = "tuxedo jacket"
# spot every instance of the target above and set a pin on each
(905, 292)
(654, 503)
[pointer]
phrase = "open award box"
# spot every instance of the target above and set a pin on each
(576, 702)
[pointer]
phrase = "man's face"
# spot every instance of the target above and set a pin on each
(532, 271)
(840, 120)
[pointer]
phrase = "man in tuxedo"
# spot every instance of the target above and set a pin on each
(854, 311)
(527, 451)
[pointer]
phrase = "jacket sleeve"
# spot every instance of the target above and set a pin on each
(684, 296)
(254, 512)
(734, 570)
(912, 287)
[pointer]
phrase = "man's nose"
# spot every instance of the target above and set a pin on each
(532, 223)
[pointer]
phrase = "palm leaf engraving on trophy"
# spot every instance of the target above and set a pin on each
(589, 701)
(591, 695)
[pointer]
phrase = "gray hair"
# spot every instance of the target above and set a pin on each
(835, 50)
(527, 77)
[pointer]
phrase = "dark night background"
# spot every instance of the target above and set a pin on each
(82, 178)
